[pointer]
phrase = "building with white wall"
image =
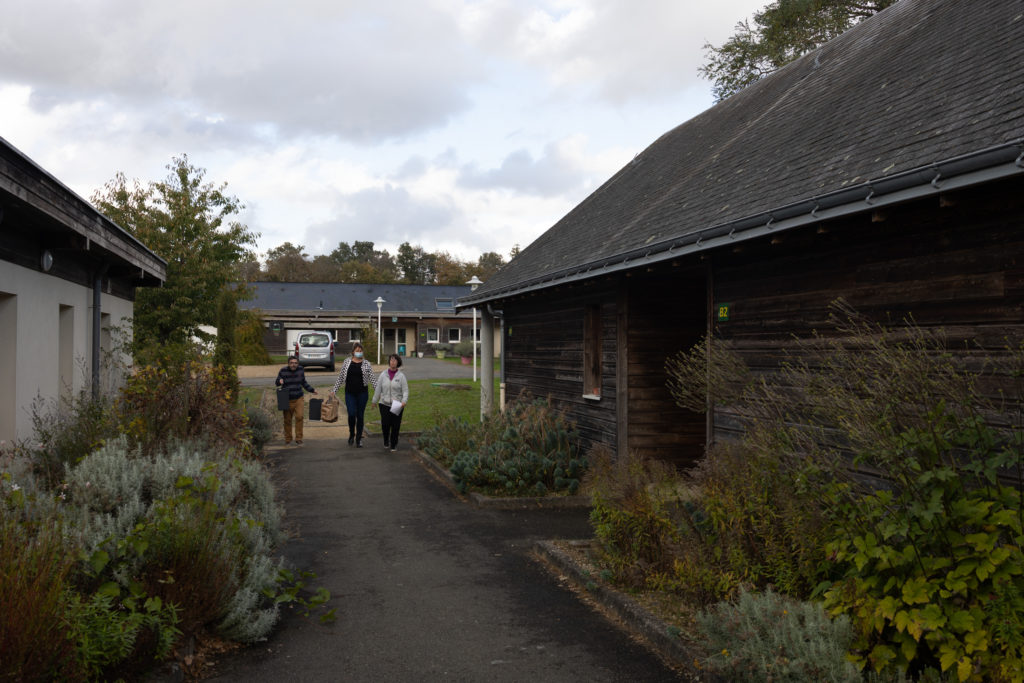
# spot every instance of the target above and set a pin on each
(68, 276)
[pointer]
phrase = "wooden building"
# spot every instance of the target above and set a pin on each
(886, 167)
(68, 276)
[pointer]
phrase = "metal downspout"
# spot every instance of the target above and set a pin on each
(97, 299)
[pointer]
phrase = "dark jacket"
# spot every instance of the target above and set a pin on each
(294, 381)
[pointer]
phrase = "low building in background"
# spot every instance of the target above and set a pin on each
(414, 319)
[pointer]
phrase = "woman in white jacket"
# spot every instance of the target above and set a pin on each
(392, 386)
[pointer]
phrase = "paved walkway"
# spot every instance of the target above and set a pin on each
(427, 588)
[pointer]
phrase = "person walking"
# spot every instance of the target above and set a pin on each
(356, 377)
(392, 387)
(292, 378)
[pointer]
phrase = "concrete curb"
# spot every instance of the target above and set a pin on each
(514, 503)
(655, 633)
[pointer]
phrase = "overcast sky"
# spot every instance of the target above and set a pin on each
(464, 126)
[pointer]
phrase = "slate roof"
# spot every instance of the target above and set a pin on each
(352, 298)
(928, 90)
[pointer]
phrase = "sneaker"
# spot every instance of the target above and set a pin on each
(359, 444)
(351, 439)
(393, 449)
(287, 441)
(298, 442)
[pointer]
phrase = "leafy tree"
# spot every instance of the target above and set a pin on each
(416, 266)
(323, 269)
(450, 270)
(488, 264)
(188, 222)
(249, 270)
(783, 31)
(288, 263)
(227, 319)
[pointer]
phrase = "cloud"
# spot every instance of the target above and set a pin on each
(554, 173)
(613, 50)
(387, 215)
(363, 73)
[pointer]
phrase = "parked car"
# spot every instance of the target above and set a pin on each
(315, 348)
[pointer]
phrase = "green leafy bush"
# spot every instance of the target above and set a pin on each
(934, 566)
(530, 449)
(633, 524)
(893, 450)
(249, 338)
(766, 637)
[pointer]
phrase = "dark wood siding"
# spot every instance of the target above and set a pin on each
(955, 264)
(544, 347)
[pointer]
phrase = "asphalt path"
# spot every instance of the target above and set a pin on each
(426, 587)
(414, 368)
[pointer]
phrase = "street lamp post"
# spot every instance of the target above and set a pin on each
(473, 283)
(380, 302)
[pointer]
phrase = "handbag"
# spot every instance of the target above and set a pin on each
(329, 410)
(282, 399)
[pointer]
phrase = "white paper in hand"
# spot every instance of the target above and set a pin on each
(396, 407)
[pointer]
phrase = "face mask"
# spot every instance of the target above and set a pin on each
(359, 354)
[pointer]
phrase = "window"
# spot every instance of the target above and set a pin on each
(445, 304)
(592, 352)
(389, 334)
(432, 335)
(353, 335)
(454, 335)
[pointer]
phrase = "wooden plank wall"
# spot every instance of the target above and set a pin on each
(544, 337)
(667, 314)
(955, 263)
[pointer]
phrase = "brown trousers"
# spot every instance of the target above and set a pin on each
(295, 410)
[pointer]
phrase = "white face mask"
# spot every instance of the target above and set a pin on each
(358, 354)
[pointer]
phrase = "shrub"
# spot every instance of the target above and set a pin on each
(755, 521)
(34, 588)
(260, 425)
(899, 442)
(464, 348)
(530, 449)
(632, 521)
(249, 338)
(768, 637)
(187, 401)
(933, 566)
(65, 430)
(192, 531)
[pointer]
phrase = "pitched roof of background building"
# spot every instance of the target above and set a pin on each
(353, 298)
(923, 89)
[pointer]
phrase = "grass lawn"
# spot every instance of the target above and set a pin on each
(427, 402)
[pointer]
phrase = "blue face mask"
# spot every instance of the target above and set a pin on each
(358, 354)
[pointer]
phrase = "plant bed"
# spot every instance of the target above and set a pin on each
(528, 451)
(553, 500)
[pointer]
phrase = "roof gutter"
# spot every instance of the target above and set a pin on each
(994, 163)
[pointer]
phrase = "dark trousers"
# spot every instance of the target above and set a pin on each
(355, 406)
(389, 424)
